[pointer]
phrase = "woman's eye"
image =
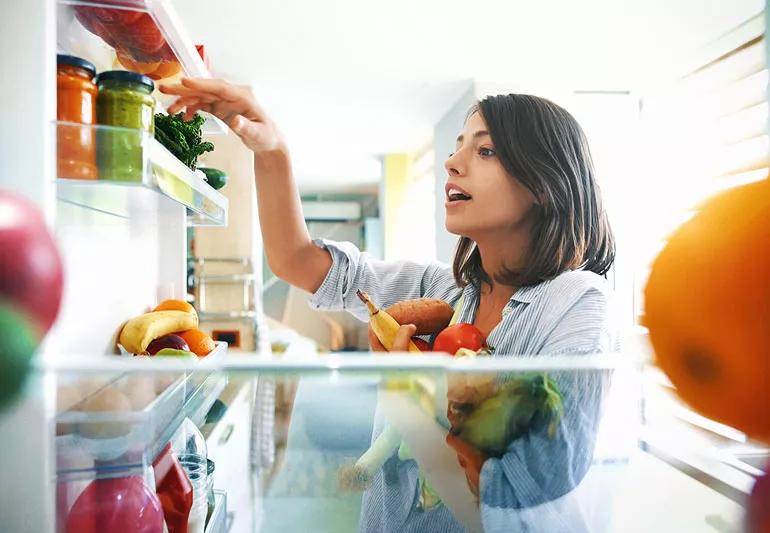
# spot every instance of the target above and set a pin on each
(450, 154)
(486, 152)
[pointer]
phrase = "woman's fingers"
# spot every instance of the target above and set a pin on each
(374, 342)
(222, 89)
(234, 105)
(400, 343)
(403, 336)
(219, 92)
(183, 102)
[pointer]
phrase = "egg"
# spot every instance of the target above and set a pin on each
(140, 391)
(67, 396)
(108, 400)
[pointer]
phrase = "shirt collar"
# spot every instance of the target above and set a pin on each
(526, 294)
(529, 293)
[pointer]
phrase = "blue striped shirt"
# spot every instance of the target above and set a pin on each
(567, 315)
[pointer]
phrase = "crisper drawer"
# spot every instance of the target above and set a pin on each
(229, 446)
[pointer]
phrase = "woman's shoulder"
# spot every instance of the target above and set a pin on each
(566, 289)
(579, 282)
(440, 282)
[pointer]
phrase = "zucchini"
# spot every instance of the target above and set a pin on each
(215, 177)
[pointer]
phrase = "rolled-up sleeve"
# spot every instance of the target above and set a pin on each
(386, 282)
(536, 468)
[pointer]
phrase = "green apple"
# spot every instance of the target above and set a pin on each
(17, 346)
(172, 352)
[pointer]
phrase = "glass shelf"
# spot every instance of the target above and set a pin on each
(123, 420)
(218, 521)
(143, 36)
(129, 158)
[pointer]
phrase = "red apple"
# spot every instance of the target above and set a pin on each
(167, 341)
(116, 504)
(31, 275)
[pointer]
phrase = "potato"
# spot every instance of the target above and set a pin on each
(429, 315)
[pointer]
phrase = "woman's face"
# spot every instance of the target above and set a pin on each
(482, 199)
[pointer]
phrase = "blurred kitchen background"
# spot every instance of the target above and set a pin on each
(371, 96)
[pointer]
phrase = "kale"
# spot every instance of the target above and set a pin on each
(182, 138)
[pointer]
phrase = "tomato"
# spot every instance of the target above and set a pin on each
(166, 54)
(458, 336)
(142, 38)
(85, 17)
(115, 16)
(88, 19)
(423, 345)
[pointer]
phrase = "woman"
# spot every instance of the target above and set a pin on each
(528, 272)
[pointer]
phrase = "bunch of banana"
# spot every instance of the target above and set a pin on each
(383, 325)
(140, 331)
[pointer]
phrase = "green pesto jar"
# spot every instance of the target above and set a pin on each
(125, 101)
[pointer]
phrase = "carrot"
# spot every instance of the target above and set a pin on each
(430, 315)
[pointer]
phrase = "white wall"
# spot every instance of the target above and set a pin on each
(444, 135)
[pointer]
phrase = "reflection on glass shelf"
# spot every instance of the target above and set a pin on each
(565, 427)
(126, 157)
(143, 36)
(120, 421)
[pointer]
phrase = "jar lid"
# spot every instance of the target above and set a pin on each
(127, 76)
(64, 59)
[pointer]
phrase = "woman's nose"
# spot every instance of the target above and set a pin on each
(453, 165)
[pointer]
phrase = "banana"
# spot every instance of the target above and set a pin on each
(383, 325)
(142, 330)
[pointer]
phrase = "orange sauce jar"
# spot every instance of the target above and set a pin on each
(76, 107)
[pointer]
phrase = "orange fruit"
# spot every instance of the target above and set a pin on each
(135, 66)
(165, 70)
(198, 341)
(174, 305)
(707, 307)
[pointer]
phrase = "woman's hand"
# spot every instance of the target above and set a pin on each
(400, 343)
(235, 105)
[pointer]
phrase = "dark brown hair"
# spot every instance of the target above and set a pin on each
(543, 147)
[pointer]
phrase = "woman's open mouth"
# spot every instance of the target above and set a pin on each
(456, 196)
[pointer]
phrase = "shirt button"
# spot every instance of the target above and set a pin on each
(506, 311)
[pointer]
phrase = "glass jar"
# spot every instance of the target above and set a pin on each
(125, 100)
(195, 467)
(76, 104)
(210, 489)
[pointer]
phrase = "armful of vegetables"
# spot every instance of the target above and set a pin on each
(485, 416)
(181, 137)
